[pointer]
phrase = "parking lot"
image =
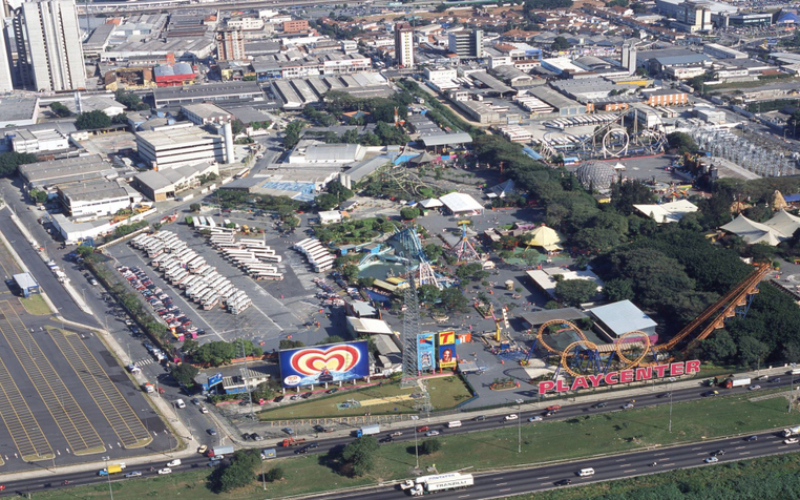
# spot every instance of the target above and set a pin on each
(64, 397)
(277, 306)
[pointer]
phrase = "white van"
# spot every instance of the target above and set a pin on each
(180, 404)
(586, 472)
(453, 425)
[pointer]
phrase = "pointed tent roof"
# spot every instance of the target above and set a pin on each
(751, 231)
(778, 201)
(784, 223)
(544, 237)
(502, 189)
(423, 157)
(431, 203)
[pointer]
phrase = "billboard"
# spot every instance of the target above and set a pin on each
(447, 350)
(324, 363)
(426, 352)
(214, 379)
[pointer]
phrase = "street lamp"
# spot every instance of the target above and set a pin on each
(108, 477)
(791, 388)
(416, 446)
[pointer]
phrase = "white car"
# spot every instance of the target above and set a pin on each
(711, 460)
(755, 387)
(165, 470)
(791, 441)
(203, 409)
(174, 463)
(537, 418)
(513, 416)
(432, 433)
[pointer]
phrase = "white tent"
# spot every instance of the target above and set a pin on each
(431, 203)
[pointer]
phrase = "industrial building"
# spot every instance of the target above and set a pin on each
(184, 144)
(170, 75)
(561, 105)
(222, 92)
(26, 283)
(97, 198)
(46, 174)
(49, 49)
(205, 113)
(622, 317)
(37, 140)
(164, 185)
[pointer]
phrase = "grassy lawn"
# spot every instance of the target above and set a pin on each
(584, 436)
(35, 304)
(446, 392)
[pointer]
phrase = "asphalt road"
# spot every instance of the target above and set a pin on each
(517, 482)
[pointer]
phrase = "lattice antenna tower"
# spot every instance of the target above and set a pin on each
(465, 252)
(410, 334)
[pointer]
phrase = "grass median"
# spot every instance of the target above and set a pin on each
(577, 437)
(445, 392)
(35, 305)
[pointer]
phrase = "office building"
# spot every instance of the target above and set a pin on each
(184, 144)
(404, 45)
(466, 43)
(49, 49)
(230, 45)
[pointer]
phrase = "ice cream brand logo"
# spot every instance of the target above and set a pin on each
(338, 358)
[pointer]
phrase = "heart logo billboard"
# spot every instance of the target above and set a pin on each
(338, 358)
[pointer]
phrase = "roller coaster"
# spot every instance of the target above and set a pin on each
(610, 140)
(581, 356)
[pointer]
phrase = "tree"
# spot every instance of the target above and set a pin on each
(38, 195)
(560, 43)
(409, 213)
(624, 195)
(434, 251)
(237, 127)
(719, 348)
(130, 100)
(290, 344)
(184, 374)
(60, 110)
(9, 162)
(576, 292)
(430, 446)
(359, 456)
(440, 8)
(619, 289)
(189, 346)
(453, 299)
(429, 294)
(350, 273)
(682, 142)
(92, 120)
(274, 474)
(752, 351)
(238, 473)
(326, 201)
(215, 353)
(120, 119)
(292, 134)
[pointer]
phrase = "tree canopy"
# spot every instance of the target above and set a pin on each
(92, 120)
(576, 292)
(9, 162)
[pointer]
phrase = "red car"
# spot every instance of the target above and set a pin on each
(553, 408)
(424, 428)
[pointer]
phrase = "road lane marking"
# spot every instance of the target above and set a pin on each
(744, 453)
(629, 470)
(739, 448)
(694, 449)
(504, 489)
(669, 465)
(543, 477)
(659, 454)
(501, 484)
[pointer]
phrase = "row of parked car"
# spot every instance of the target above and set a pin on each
(160, 301)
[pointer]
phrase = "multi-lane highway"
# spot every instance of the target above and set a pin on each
(517, 482)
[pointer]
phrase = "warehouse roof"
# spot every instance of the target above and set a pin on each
(442, 139)
(460, 202)
(622, 317)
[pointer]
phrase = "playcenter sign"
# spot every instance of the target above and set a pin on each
(621, 377)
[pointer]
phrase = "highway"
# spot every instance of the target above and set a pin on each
(505, 483)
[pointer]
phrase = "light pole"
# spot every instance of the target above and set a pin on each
(791, 388)
(416, 446)
(519, 427)
(670, 406)
(108, 476)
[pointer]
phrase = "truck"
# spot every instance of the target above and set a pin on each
(148, 387)
(268, 453)
(368, 430)
(112, 469)
(216, 451)
(732, 382)
(289, 442)
(434, 484)
(791, 431)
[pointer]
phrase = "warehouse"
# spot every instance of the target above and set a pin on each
(166, 184)
(26, 283)
(561, 105)
(65, 171)
(204, 113)
(99, 197)
(461, 204)
(222, 92)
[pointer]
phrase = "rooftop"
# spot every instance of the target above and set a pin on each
(168, 137)
(622, 317)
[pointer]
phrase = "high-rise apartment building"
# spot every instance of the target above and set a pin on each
(466, 43)
(404, 45)
(49, 49)
(6, 84)
(230, 44)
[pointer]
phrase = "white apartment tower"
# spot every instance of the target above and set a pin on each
(629, 57)
(6, 84)
(49, 45)
(404, 45)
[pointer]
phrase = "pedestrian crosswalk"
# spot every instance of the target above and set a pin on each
(144, 361)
